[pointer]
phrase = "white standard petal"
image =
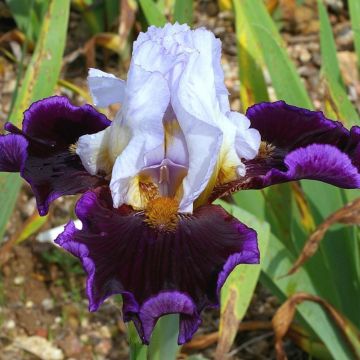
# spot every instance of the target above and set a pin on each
(106, 89)
(147, 99)
(126, 168)
(197, 109)
(247, 140)
(93, 152)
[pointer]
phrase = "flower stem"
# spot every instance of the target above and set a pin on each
(163, 344)
(137, 351)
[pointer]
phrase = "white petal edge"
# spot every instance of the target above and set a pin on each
(92, 150)
(105, 88)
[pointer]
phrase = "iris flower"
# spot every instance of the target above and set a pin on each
(148, 178)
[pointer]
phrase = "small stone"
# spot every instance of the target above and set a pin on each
(226, 15)
(84, 338)
(103, 347)
(29, 207)
(71, 345)
(305, 55)
(10, 325)
(18, 280)
(84, 322)
(48, 304)
(40, 347)
(105, 332)
(29, 304)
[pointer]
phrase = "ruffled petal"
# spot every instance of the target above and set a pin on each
(298, 144)
(60, 123)
(122, 254)
(95, 152)
(141, 117)
(51, 127)
(12, 152)
(105, 88)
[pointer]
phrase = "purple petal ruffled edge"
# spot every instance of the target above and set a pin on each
(301, 144)
(13, 152)
(146, 314)
(40, 151)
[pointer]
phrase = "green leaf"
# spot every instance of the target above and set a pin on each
(342, 106)
(238, 289)
(339, 249)
(32, 225)
(39, 81)
(137, 351)
(163, 342)
(93, 13)
(354, 9)
(253, 87)
(152, 13)
(28, 15)
(286, 81)
(277, 262)
(183, 12)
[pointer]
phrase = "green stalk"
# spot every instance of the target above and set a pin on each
(137, 351)
(163, 344)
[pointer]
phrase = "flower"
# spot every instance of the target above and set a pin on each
(42, 151)
(149, 229)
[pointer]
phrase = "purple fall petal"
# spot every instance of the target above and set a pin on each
(59, 122)
(50, 127)
(301, 144)
(159, 272)
(12, 152)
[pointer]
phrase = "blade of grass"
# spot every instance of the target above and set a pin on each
(238, 289)
(152, 14)
(28, 15)
(39, 81)
(286, 81)
(93, 13)
(345, 111)
(354, 9)
(277, 261)
(163, 343)
(183, 11)
(288, 87)
(331, 70)
(253, 87)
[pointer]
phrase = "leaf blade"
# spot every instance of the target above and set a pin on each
(39, 81)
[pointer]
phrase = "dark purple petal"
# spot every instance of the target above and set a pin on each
(12, 152)
(56, 120)
(56, 174)
(50, 127)
(289, 127)
(298, 144)
(159, 272)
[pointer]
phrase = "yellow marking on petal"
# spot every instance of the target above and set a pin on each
(72, 149)
(265, 150)
(141, 191)
(171, 128)
(119, 138)
(162, 213)
(228, 166)
(224, 171)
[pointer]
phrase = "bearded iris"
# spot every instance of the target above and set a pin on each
(149, 230)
